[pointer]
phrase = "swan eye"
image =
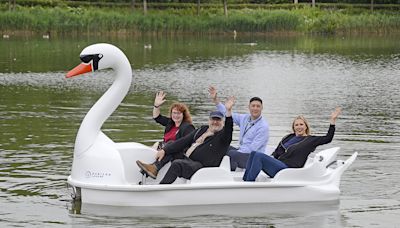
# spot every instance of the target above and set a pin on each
(94, 59)
(86, 58)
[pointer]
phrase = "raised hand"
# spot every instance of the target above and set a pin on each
(160, 98)
(335, 114)
(213, 93)
(229, 104)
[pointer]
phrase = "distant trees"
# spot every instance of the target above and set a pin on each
(11, 5)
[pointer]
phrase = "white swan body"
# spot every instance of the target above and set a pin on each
(96, 157)
(104, 172)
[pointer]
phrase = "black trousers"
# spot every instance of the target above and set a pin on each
(167, 158)
(184, 167)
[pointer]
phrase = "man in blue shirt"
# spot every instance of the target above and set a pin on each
(254, 130)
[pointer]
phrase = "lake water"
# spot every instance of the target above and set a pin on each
(40, 112)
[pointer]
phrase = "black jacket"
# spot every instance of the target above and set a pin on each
(184, 129)
(209, 153)
(296, 155)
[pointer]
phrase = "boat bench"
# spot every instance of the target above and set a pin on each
(311, 171)
(214, 174)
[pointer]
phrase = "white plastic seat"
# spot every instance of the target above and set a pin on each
(214, 174)
(313, 170)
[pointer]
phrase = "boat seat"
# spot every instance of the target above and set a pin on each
(313, 170)
(214, 174)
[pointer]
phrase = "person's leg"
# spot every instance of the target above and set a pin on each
(181, 168)
(265, 163)
(242, 159)
(191, 168)
(249, 165)
(167, 158)
(271, 166)
(254, 168)
(238, 159)
(233, 154)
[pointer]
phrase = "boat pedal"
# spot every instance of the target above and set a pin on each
(144, 176)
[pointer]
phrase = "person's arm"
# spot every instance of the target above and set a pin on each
(335, 115)
(331, 132)
(228, 128)
(187, 130)
(213, 94)
(228, 106)
(158, 101)
(221, 107)
(162, 120)
(179, 145)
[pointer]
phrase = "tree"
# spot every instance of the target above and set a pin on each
(145, 7)
(225, 7)
(198, 7)
(11, 5)
(133, 5)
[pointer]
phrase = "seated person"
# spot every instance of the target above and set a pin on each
(207, 146)
(292, 151)
(178, 125)
(254, 130)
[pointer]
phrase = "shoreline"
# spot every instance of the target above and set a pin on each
(61, 21)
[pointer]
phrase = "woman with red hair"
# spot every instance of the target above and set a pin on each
(176, 126)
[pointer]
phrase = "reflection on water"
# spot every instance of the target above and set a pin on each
(40, 112)
(307, 214)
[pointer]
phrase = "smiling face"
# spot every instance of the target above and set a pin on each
(215, 124)
(300, 126)
(255, 108)
(177, 116)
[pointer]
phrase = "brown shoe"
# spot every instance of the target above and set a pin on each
(149, 169)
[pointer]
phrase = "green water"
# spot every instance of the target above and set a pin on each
(40, 113)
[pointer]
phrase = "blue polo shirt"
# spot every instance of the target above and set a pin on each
(254, 134)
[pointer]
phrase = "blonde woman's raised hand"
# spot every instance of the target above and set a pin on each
(335, 114)
(160, 98)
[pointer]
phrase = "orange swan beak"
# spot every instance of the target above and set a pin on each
(80, 69)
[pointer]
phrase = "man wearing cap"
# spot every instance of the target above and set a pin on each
(207, 146)
(254, 130)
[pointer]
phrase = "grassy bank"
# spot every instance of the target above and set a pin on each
(66, 20)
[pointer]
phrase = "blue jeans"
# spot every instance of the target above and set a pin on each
(260, 161)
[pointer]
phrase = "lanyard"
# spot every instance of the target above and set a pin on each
(247, 128)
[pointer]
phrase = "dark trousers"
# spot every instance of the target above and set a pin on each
(167, 158)
(185, 168)
(238, 159)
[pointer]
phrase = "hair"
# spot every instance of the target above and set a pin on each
(184, 109)
(255, 99)
(308, 131)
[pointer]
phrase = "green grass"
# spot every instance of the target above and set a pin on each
(64, 19)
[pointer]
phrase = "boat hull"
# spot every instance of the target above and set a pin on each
(206, 194)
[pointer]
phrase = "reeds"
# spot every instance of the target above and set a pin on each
(100, 20)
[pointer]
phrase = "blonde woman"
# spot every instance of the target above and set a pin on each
(292, 151)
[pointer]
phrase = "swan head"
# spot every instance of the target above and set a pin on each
(98, 57)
